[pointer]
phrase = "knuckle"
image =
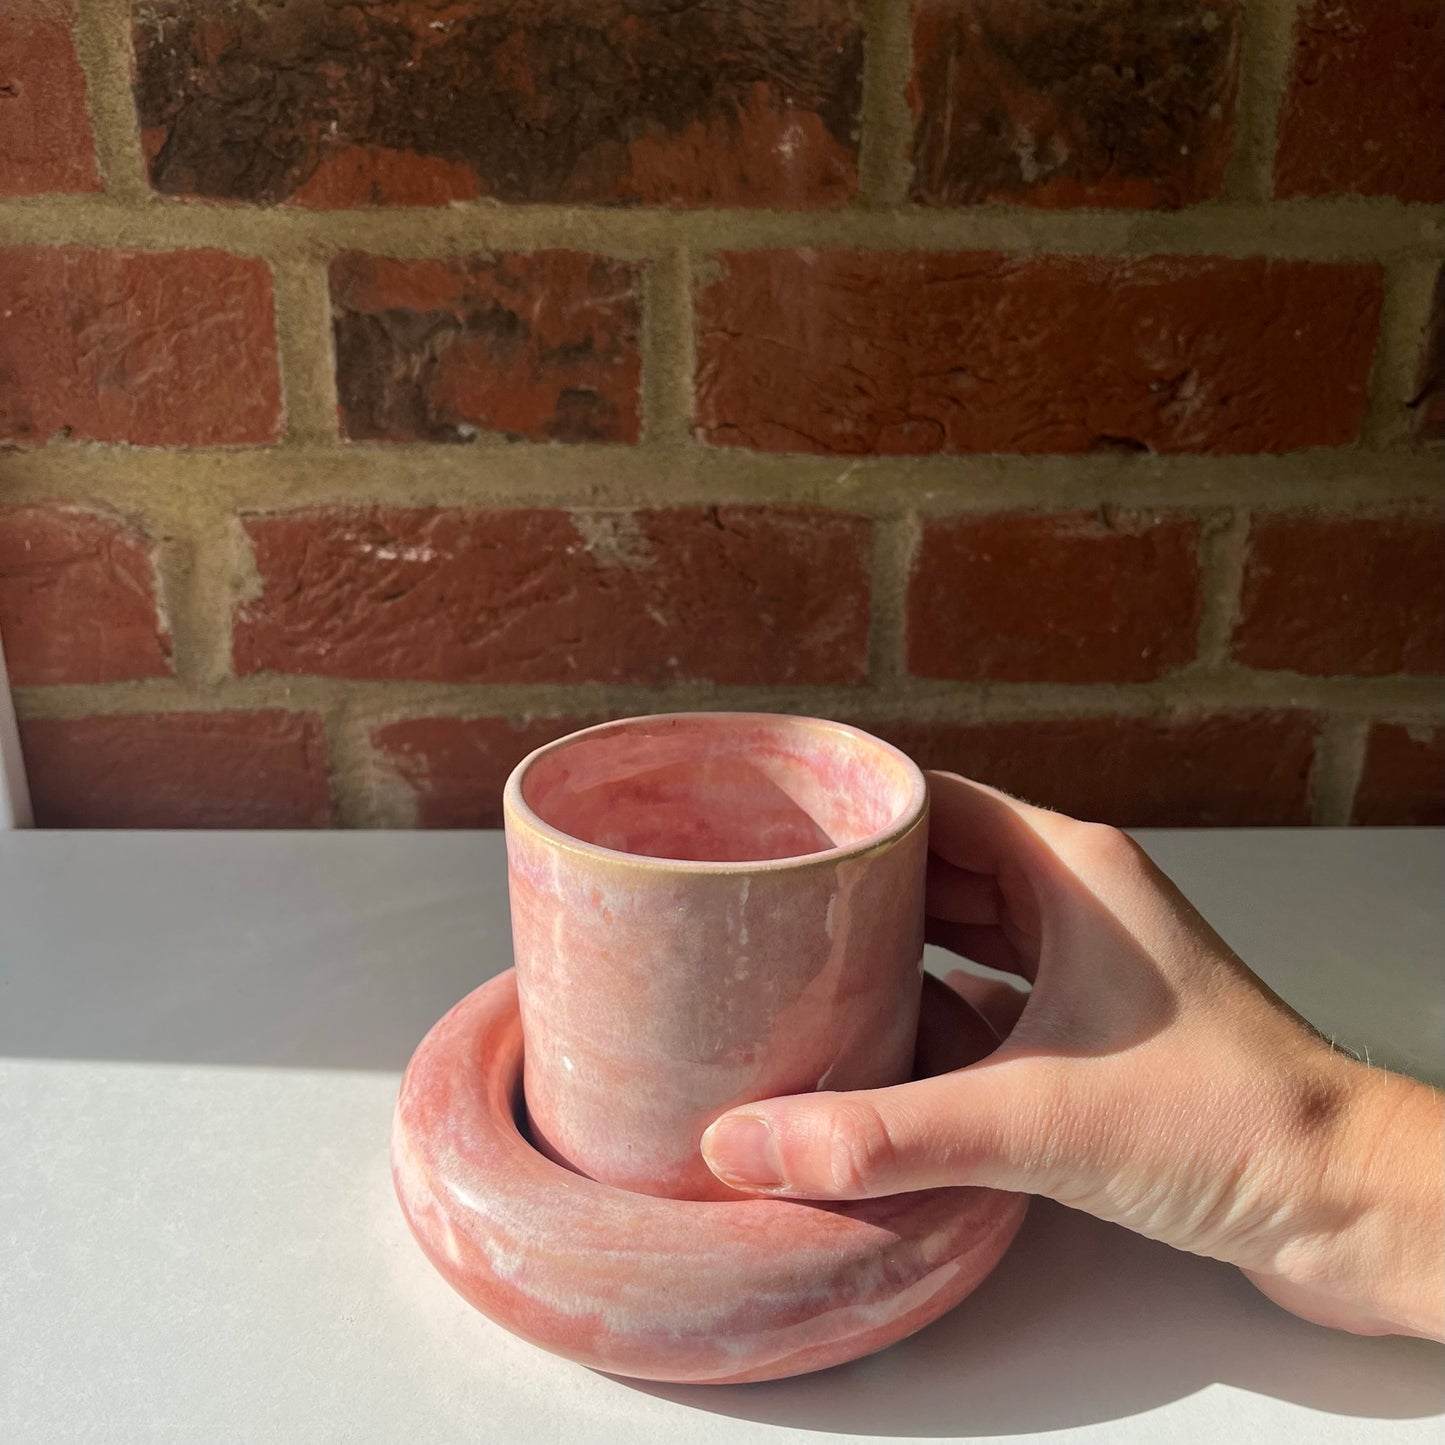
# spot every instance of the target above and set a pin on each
(861, 1150)
(1103, 845)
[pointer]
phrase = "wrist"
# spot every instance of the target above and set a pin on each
(1368, 1254)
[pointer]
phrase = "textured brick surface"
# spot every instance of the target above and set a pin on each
(1054, 596)
(156, 348)
(1329, 593)
(542, 347)
(446, 772)
(725, 594)
(45, 140)
(1403, 781)
(178, 770)
(1063, 103)
(1227, 770)
(1364, 112)
(1428, 402)
(750, 103)
(857, 352)
(574, 555)
(77, 598)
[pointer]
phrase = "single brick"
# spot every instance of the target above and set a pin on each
(45, 138)
(1340, 593)
(1247, 769)
(753, 103)
(1062, 103)
(540, 346)
(914, 352)
(1054, 596)
(178, 770)
(447, 772)
(1403, 782)
(1364, 110)
(78, 598)
(721, 594)
(155, 348)
(1428, 402)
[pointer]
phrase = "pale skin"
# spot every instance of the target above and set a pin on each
(1148, 1077)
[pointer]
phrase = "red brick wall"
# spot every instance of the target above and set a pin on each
(1054, 386)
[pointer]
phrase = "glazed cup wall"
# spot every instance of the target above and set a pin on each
(655, 994)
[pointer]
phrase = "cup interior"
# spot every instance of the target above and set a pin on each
(721, 787)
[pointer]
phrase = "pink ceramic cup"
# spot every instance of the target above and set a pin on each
(707, 909)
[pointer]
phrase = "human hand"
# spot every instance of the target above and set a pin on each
(1148, 1077)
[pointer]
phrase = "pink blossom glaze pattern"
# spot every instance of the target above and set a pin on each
(708, 909)
(665, 1289)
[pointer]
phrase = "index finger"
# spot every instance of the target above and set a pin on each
(980, 829)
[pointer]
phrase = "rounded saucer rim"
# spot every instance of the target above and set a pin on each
(472, 1186)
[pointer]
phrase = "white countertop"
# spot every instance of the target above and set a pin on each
(200, 1041)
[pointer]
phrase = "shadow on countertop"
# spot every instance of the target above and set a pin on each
(1081, 1324)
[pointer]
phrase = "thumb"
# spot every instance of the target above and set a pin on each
(981, 1125)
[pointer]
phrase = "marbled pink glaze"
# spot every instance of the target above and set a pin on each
(707, 909)
(665, 1289)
